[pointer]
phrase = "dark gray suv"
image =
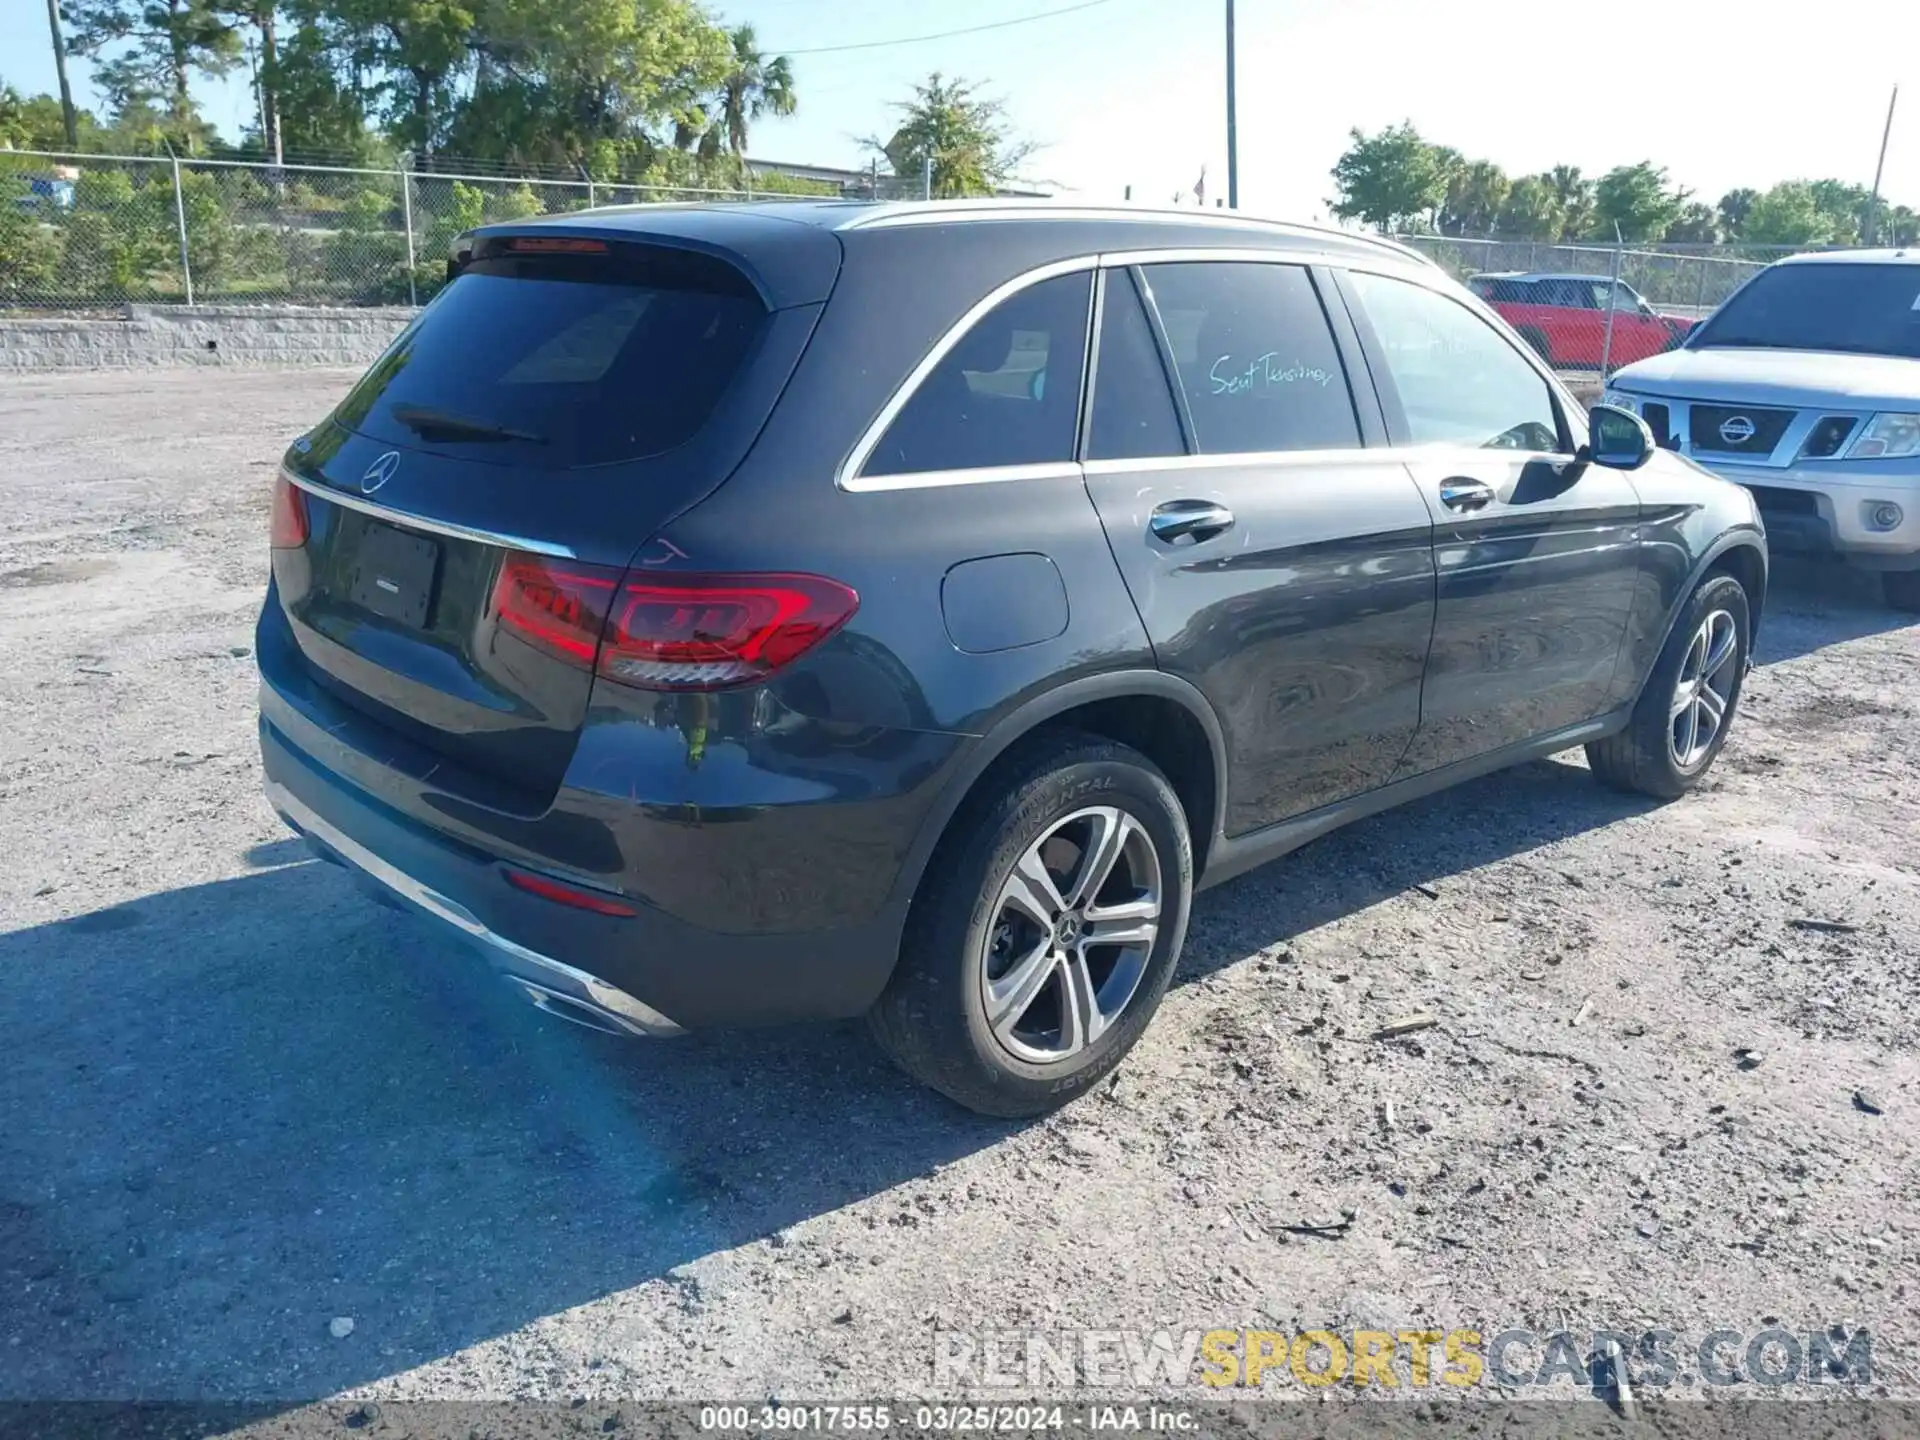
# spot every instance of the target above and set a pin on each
(742, 614)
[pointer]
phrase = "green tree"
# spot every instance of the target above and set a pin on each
(1788, 214)
(1634, 203)
(1734, 207)
(597, 84)
(322, 111)
(365, 260)
(1697, 224)
(1392, 180)
(212, 240)
(420, 51)
(15, 130)
(772, 182)
(29, 246)
(1898, 226)
(148, 51)
(1532, 211)
(37, 122)
(1844, 207)
(118, 236)
(1477, 192)
(756, 85)
(967, 137)
(1575, 193)
(519, 203)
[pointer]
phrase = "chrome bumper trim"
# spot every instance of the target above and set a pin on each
(537, 975)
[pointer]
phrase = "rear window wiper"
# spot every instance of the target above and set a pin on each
(431, 424)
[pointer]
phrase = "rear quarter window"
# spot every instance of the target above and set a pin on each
(1007, 393)
(564, 360)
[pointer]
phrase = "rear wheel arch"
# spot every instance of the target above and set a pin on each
(1161, 716)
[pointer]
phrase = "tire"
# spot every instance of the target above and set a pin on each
(973, 935)
(1538, 340)
(1658, 754)
(1901, 589)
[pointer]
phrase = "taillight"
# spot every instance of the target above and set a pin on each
(702, 632)
(561, 608)
(289, 528)
(668, 632)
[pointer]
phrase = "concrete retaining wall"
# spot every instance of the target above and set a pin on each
(157, 335)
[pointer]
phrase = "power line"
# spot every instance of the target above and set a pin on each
(945, 34)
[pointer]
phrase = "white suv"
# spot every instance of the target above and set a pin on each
(1805, 388)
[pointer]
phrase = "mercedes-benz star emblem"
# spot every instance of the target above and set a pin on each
(1736, 429)
(381, 471)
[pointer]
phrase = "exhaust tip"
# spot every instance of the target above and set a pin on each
(576, 1011)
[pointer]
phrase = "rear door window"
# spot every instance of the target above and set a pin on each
(1008, 393)
(1255, 357)
(563, 360)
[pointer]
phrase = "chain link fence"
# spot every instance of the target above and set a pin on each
(1589, 309)
(97, 232)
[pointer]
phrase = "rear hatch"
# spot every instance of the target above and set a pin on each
(562, 398)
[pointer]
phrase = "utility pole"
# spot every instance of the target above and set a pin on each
(1233, 124)
(67, 117)
(1873, 205)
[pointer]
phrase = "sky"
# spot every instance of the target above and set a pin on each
(1123, 93)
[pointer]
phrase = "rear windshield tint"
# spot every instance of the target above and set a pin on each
(563, 360)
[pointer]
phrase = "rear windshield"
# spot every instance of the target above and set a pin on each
(1858, 309)
(563, 360)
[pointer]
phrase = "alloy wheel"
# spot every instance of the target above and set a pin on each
(1704, 690)
(1073, 927)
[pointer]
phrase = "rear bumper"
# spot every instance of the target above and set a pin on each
(549, 983)
(649, 974)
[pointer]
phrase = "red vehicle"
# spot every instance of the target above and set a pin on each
(1564, 317)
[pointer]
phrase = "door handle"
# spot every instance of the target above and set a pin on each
(1180, 521)
(1462, 493)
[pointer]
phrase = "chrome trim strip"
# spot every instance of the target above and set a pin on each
(528, 967)
(447, 528)
(847, 476)
(982, 475)
(1266, 459)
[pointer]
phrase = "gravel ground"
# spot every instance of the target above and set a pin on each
(241, 1102)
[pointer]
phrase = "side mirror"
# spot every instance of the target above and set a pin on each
(1617, 439)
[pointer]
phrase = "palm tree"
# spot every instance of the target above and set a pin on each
(1575, 193)
(756, 85)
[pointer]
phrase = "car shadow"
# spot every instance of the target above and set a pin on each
(243, 1109)
(1813, 603)
(240, 1110)
(1436, 842)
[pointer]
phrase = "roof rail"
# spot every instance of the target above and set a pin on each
(894, 214)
